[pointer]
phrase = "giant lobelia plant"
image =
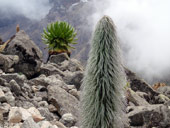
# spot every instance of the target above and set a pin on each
(102, 96)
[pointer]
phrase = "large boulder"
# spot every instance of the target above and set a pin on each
(30, 56)
(150, 116)
(63, 101)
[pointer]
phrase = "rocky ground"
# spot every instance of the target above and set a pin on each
(34, 94)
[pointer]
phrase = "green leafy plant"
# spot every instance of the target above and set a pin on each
(59, 36)
(103, 84)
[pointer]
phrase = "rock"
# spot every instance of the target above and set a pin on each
(75, 93)
(35, 114)
(50, 80)
(1, 71)
(2, 81)
(136, 99)
(63, 101)
(45, 124)
(30, 56)
(10, 98)
(17, 114)
(43, 104)
(2, 96)
(59, 124)
(15, 87)
(162, 98)
(47, 114)
(68, 120)
(136, 84)
(58, 59)
(52, 108)
(4, 109)
(150, 116)
(7, 62)
(29, 123)
(71, 65)
(48, 70)
(42, 94)
(164, 90)
(74, 78)
(20, 79)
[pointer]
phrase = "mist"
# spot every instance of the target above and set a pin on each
(32, 9)
(143, 27)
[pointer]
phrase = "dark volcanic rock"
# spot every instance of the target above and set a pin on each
(30, 56)
(150, 116)
(137, 84)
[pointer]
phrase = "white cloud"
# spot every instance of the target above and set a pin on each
(143, 27)
(32, 9)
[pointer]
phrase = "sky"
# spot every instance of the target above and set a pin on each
(143, 27)
(32, 9)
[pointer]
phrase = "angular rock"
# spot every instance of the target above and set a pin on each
(2, 96)
(59, 124)
(150, 116)
(164, 90)
(45, 124)
(58, 59)
(74, 78)
(29, 123)
(10, 98)
(17, 114)
(14, 76)
(68, 120)
(35, 114)
(7, 62)
(63, 101)
(30, 56)
(48, 70)
(50, 80)
(47, 114)
(136, 84)
(72, 65)
(4, 109)
(15, 87)
(136, 99)
(162, 98)
(75, 93)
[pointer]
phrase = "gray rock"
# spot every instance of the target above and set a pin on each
(47, 114)
(15, 87)
(164, 90)
(49, 69)
(75, 93)
(72, 65)
(68, 120)
(74, 78)
(58, 59)
(50, 80)
(150, 116)
(7, 62)
(10, 98)
(63, 101)
(20, 79)
(135, 98)
(2, 96)
(137, 84)
(29, 123)
(30, 56)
